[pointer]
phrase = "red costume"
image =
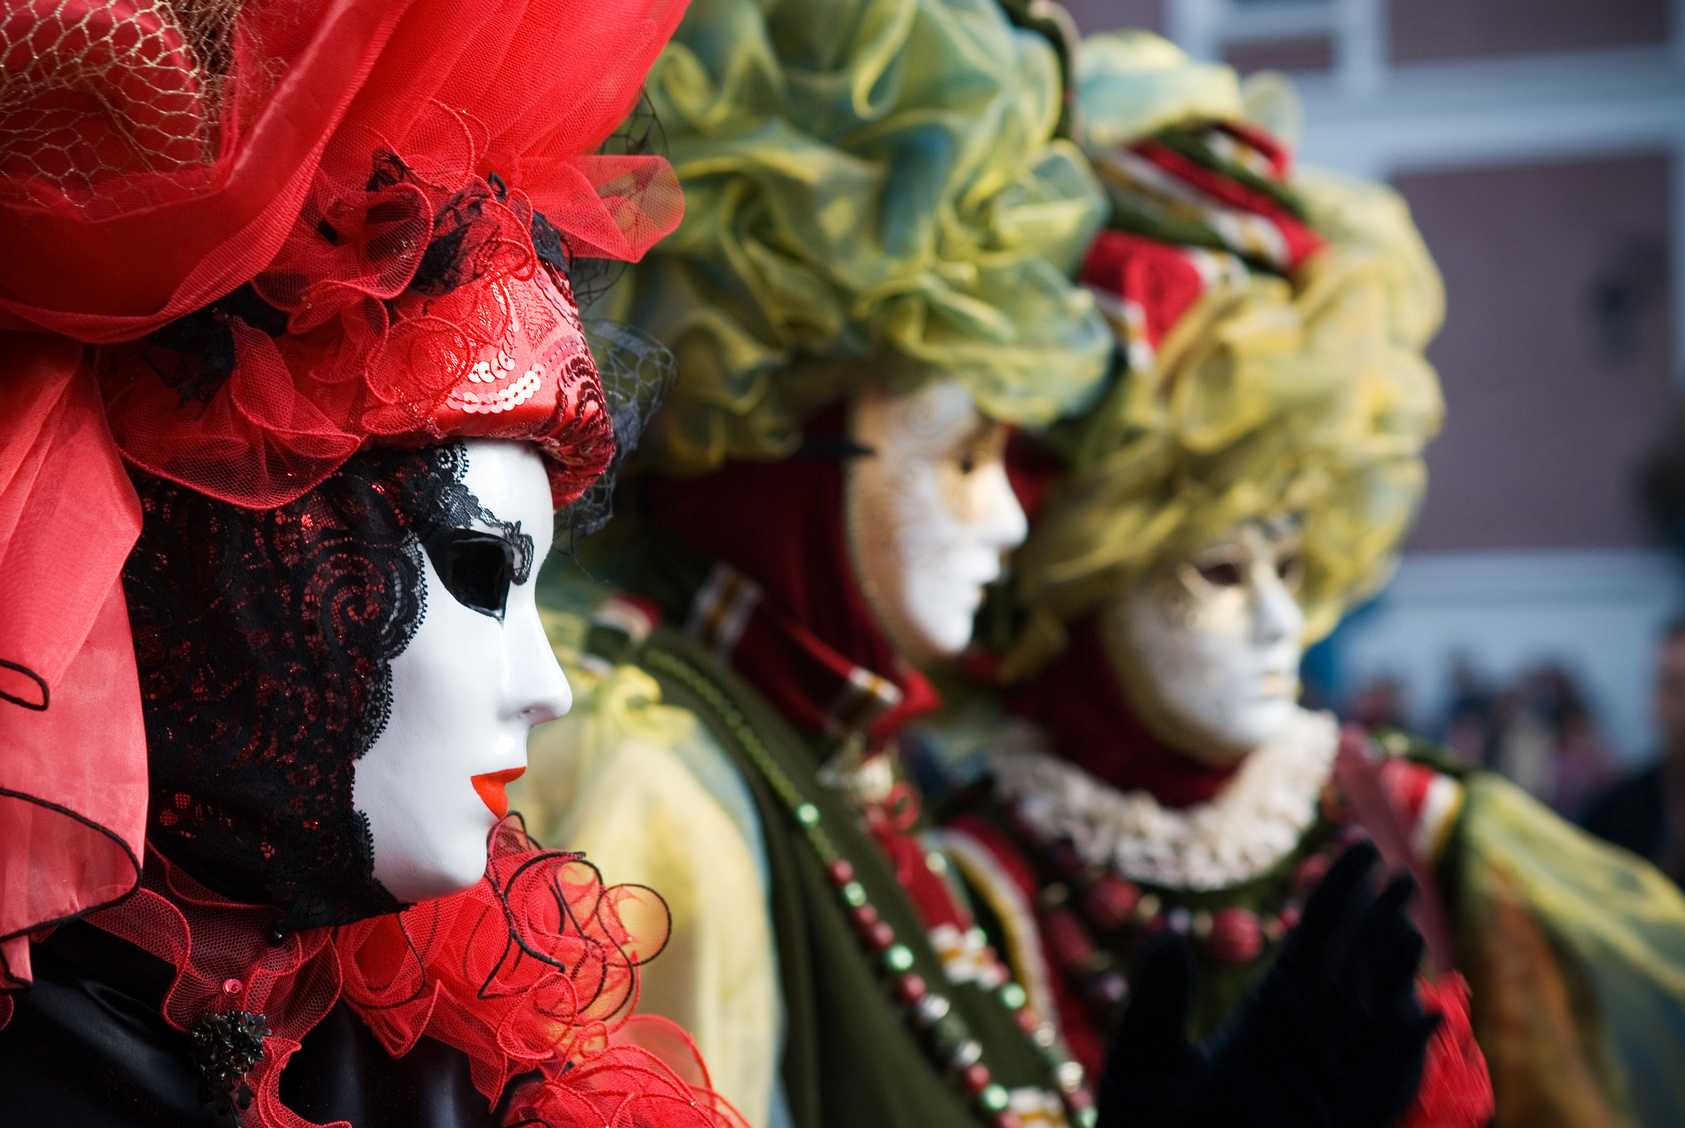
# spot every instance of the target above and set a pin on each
(246, 243)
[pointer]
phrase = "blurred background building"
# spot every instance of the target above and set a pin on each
(1541, 145)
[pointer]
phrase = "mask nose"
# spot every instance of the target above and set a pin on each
(1000, 518)
(538, 691)
(1276, 614)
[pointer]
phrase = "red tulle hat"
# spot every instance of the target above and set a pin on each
(243, 241)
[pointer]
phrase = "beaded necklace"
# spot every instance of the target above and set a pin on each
(945, 1034)
(1093, 918)
(1087, 914)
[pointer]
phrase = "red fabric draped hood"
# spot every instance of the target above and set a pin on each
(1078, 699)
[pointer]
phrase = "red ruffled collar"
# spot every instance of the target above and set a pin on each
(533, 970)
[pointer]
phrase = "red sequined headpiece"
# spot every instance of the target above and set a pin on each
(401, 314)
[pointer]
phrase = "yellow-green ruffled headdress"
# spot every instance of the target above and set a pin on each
(872, 188)
(1287, 378)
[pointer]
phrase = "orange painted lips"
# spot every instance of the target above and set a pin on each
(490, 786)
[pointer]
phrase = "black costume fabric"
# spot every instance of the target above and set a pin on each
(89, 1046)
(1333, 1036)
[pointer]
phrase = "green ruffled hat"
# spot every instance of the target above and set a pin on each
(1304, 391)
(873, 190)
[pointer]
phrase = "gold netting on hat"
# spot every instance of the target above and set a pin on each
(94, 90)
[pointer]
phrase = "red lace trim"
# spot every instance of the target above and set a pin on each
(534, 969)
(374, 345)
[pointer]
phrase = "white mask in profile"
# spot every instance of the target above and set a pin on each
(465, 692)
(930, 512)
(1208, 651)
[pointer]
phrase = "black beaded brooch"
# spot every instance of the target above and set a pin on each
(226, 1047)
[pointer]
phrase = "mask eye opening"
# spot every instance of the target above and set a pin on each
(1290, 567)
(1222, 573)
(476, 567)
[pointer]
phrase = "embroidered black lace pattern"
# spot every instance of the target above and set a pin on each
(458, 508)
(264, 640)
(638, 373)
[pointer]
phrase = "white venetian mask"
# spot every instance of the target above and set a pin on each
(930, 512)
(1208, 651)
(477, 676)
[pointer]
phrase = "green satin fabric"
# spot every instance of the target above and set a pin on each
(1575, 951)
(872, 190)
(1133, 83)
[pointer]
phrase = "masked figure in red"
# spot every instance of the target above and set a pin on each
(296, 387)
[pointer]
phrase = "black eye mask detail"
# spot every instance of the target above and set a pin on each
(475, 567)
(264, 641)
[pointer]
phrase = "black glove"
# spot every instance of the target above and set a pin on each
(1333, 1037)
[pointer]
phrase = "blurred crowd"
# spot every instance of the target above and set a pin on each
(1540, 730)
(1536, 728)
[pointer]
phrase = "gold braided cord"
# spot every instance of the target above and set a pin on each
(1309, 397)
(872, 190)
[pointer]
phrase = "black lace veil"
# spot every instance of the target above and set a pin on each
(264, 640)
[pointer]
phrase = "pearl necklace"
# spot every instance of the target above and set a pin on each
(1257, 820)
